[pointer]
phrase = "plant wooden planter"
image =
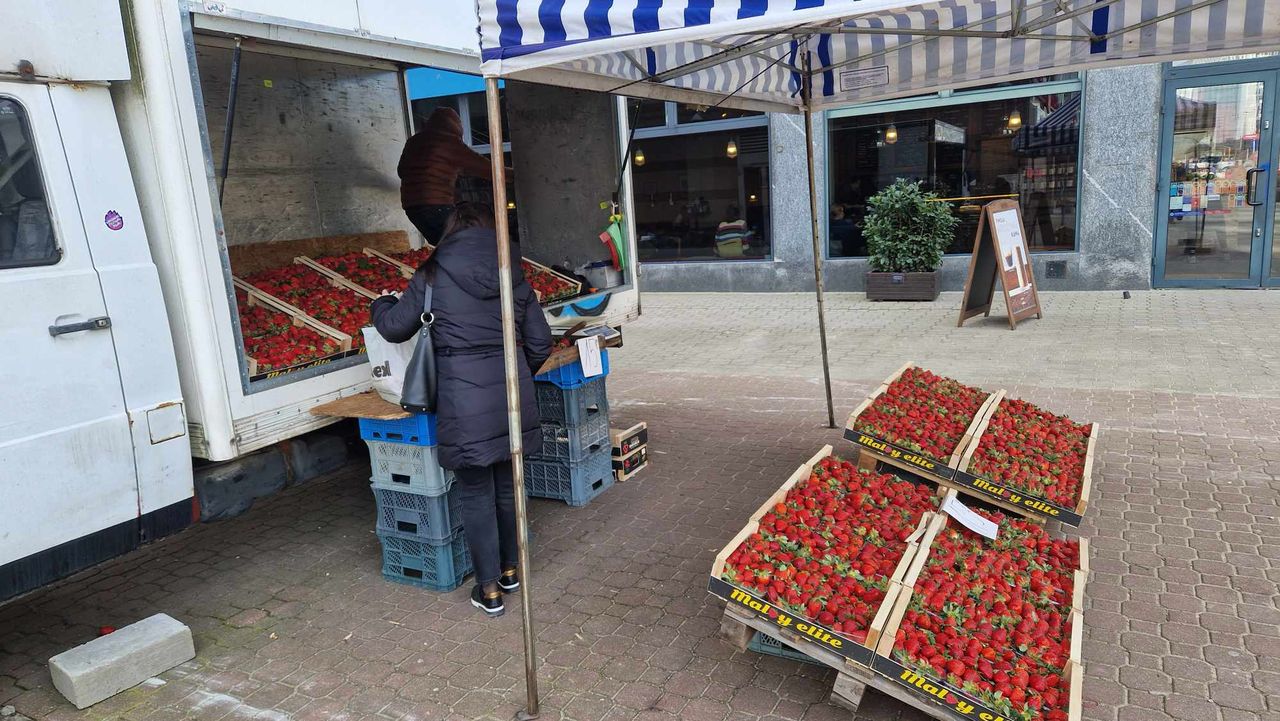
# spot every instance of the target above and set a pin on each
(903, 286)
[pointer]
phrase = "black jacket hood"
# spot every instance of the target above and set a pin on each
(470, 257)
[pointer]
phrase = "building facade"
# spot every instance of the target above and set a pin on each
(1159, 175)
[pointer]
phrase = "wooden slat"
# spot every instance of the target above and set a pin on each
(881, 620)
(1075, 694)
(1086, 480)
(337, 279)
(753, 522)
(976, 429)
(1077, 637)
(936, 526)
(270, 301)
(1084, 556)
(405, 269)
(1078, 581)
(361, 405)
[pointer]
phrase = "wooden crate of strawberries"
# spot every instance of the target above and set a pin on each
(920, 422)
(990, 629)
(279, 338)
(818, 564)
(1004, 450)
(1030, 461)
(549, 285)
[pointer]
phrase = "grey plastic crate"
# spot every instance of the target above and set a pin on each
(437, 566)
(574, 482)
(429, 518)
(572, 407)
(404, 467)
(760, 643)
(573, 443)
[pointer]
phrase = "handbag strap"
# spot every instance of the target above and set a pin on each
(427, 317)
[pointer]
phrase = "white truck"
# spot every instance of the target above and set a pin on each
(118, 241)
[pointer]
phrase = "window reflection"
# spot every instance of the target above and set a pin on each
(971, 154)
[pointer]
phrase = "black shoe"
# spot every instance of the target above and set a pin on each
(491, 605)
(509, 581)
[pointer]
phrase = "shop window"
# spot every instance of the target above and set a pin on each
(703, 196)
(646, 113)
(971, 154)
(26, 229)
(686, 113)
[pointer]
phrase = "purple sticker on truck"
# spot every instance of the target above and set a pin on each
(114, 220)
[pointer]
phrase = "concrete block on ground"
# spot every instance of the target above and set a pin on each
(316, 454)
(226, 490)
(110, 664)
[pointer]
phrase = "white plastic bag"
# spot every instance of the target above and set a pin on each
(387, 362)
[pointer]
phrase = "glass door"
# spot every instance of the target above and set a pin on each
(1218, 181)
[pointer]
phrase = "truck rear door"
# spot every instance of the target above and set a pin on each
(67, 466)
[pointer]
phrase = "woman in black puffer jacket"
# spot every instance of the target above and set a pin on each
(471, 403)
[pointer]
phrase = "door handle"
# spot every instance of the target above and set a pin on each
(99, 323)
(1251, 185)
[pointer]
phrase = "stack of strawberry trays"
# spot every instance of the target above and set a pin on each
(1003, 450)
(419, 510)
(862, 572)
(991, 628)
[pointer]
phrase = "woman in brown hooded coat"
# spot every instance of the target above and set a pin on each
(429, 168)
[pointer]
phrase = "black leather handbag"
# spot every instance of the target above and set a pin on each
(418, 395)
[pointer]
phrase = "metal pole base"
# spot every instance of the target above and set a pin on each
(523, 715)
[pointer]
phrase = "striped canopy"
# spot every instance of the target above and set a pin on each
(756, 53)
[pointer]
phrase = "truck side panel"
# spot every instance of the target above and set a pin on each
(131, 287)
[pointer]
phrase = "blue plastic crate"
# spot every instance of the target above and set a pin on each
(418, 429)
(570, 375)
(574, 482)
(572, 407)
(573, 443)
(403, 467)
(437, 566)
(429, 518)
(760, 643)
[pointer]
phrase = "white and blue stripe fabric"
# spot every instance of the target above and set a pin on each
(755, 51)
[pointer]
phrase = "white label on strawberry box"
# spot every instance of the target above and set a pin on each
(589, 355)
(965, 515)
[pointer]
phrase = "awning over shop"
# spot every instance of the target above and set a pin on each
(755, 51)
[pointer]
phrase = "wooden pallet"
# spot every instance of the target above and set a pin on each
(803, 634)
(907, 460)
(894, 674)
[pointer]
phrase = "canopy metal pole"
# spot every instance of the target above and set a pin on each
(819, 290)
(510, 361)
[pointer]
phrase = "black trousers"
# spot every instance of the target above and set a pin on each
(489, 517)
(429, 220)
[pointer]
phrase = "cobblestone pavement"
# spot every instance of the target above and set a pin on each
(293, 621)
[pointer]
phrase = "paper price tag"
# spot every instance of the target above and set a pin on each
(971, 520)
(589, 356)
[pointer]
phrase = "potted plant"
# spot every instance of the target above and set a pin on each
(907, 232)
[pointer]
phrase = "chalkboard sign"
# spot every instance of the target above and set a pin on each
(1000, 251)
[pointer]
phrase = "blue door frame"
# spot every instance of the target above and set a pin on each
(1263, 229)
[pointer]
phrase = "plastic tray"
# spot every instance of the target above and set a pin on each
(404, 467)
(572, 407)
(427, 518)
(418, 429)
(570, 375)
(573, 443)
(574, 482)
(437, 566)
